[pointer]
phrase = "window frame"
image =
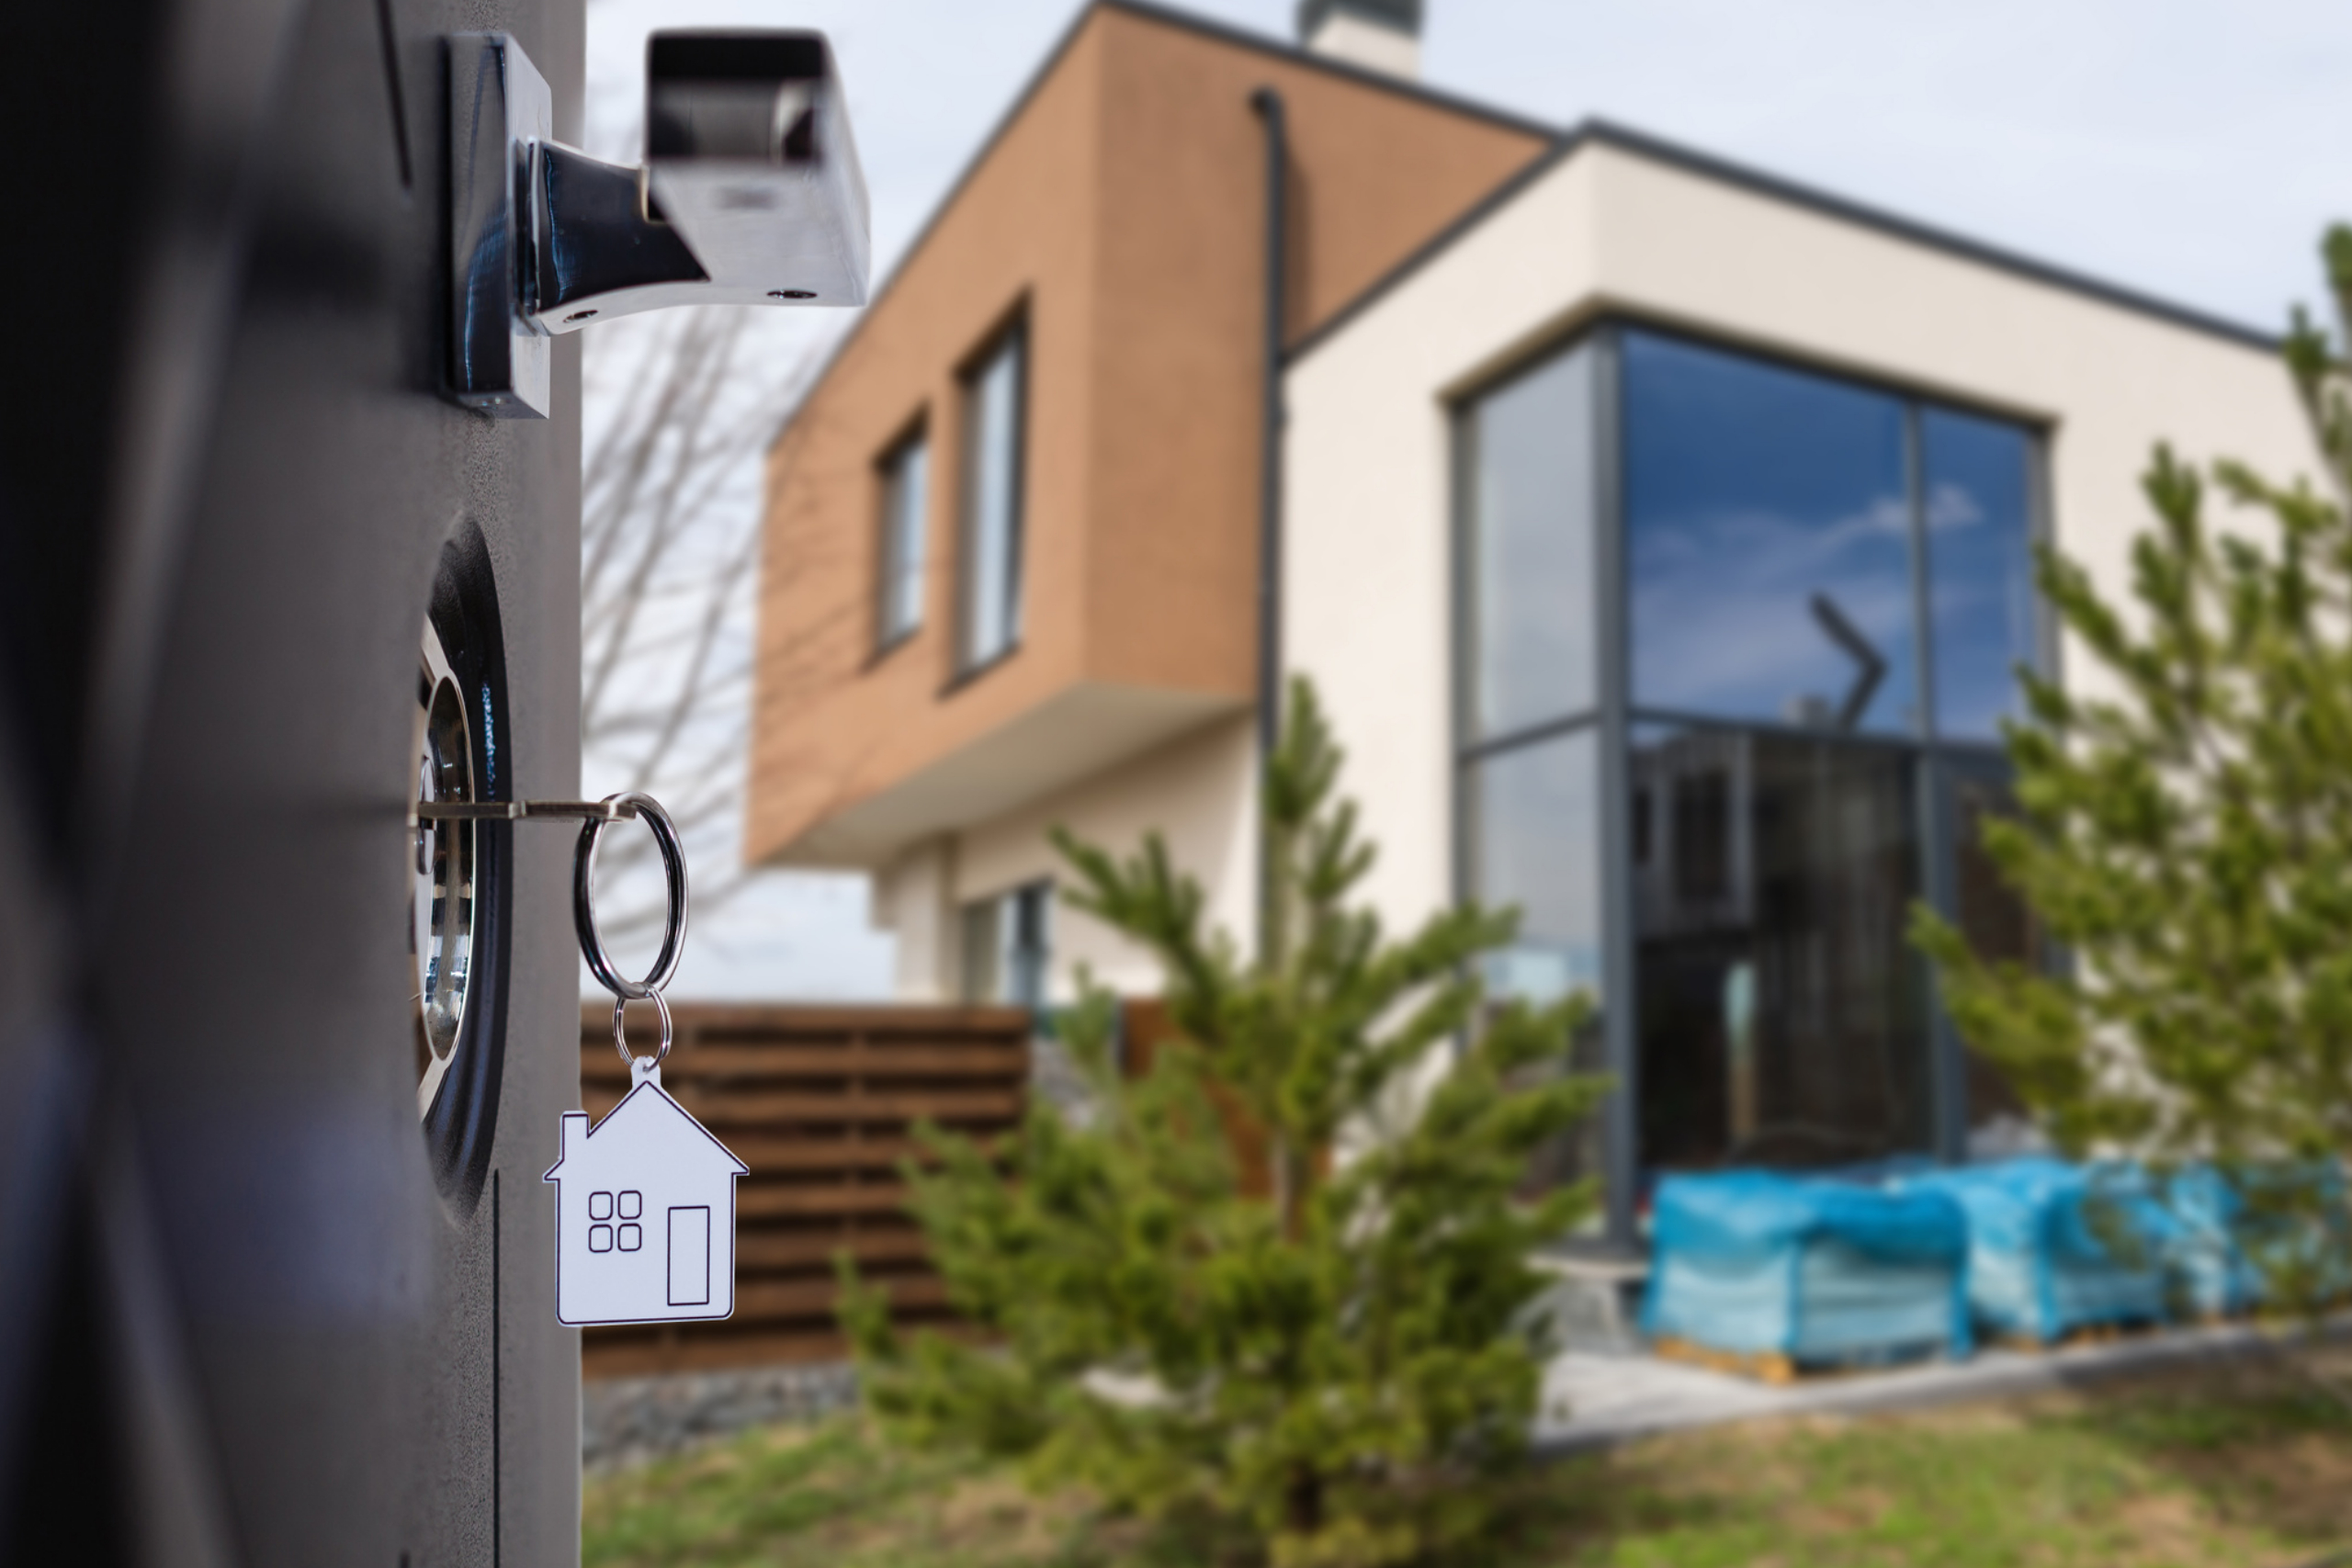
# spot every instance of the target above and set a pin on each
(1010, 337)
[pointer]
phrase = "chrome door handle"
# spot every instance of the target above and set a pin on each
(750, 194)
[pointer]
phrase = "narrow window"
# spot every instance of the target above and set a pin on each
(1529, 604)
(1028, 946)
(1008, 946)
(991, 602)
(906, 501)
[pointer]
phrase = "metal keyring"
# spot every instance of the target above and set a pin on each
(584, 909)
(620, 1032)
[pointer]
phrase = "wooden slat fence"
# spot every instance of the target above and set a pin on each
(821, 1104)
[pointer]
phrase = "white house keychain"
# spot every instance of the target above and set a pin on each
(645, 1199)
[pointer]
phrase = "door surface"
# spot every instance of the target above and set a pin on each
(257, 1304)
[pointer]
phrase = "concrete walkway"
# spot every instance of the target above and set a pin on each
(1591, 1400)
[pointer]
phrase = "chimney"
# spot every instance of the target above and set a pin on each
(1380, 34)
(575, 1134)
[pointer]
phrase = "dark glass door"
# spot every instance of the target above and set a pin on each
(1781, 1016)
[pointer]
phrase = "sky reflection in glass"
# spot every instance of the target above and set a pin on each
(1534, 820)
(1768, 542)
(1978, 477)
(1530, 546)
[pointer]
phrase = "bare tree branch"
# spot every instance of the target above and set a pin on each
(670, 549)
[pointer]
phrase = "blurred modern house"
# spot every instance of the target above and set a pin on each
(1657, 533)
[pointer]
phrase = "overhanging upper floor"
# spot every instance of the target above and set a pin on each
(1012, 534)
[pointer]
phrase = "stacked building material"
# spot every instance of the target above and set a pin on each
(1818, 1271)
(2212, 1272)
(2287, 1225)
(2054, 1247)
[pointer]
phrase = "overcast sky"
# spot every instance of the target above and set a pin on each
(2189, 149)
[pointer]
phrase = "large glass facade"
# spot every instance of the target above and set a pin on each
(1736, 638)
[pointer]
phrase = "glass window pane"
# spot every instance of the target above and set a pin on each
(992, 524)
(1979, 474)
(905, 499)
(1781, 1014)
(1535, 821)
(1768, 541)
(1531, 589)
(1008, 946)
(1028, 943)
(1533, 814)
(2000, 927)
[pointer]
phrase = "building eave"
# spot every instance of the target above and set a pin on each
(1640, 144)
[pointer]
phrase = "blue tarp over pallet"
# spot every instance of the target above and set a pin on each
(2054, 1246)
(2210, 1264)
(1817, 1270)
(2282, 1224)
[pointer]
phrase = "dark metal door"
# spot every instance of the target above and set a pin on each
(256, 1305)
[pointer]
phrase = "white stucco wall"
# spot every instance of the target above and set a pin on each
(1197, 792)
(1366, 579)
(914, 900)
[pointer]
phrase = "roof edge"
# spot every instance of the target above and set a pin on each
(1147, 10)
(1601, 132)
(1361, 75)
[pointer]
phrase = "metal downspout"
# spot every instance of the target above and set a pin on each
(1267, 106)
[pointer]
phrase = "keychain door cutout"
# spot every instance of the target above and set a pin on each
(645, 1215)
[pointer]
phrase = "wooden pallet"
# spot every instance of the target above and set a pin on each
(1761, 1365)
(2088, 1333)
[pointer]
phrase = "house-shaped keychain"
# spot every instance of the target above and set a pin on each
(645, 1214)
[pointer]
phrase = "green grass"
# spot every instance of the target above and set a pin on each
(2227, 1467)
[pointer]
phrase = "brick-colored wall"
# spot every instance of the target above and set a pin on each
(1122, 213)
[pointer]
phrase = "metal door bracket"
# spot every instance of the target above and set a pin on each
(617, 810)
(750, 194)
